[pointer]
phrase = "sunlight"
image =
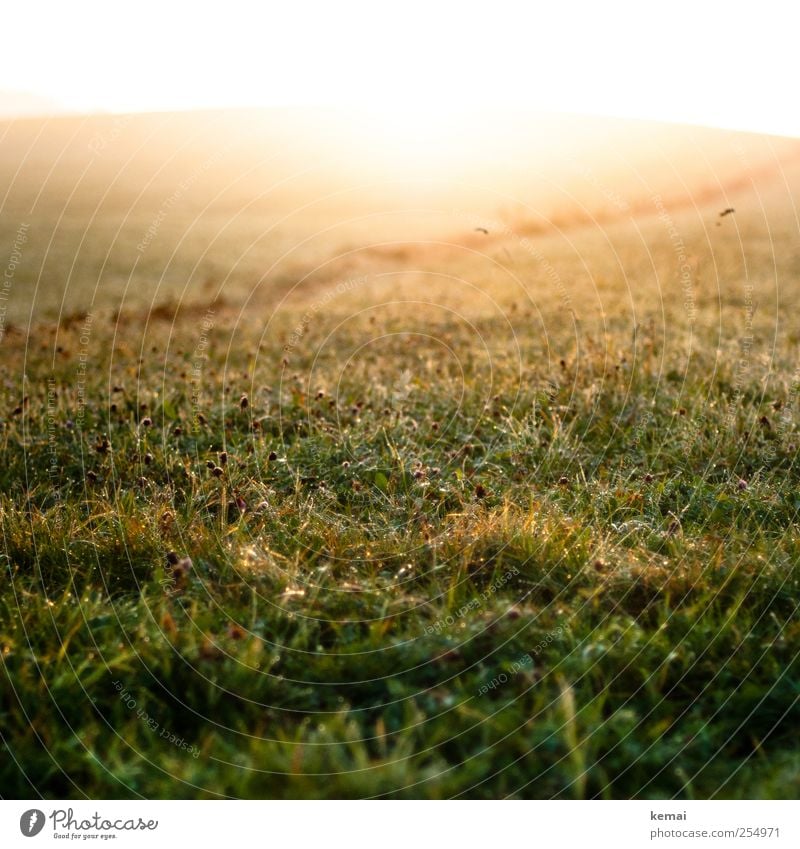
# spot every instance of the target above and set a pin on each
(429, 60)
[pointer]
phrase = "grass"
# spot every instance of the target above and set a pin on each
(396, 542)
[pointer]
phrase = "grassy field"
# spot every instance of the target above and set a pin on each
(485, 514)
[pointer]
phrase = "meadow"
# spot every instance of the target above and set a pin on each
(424, 499)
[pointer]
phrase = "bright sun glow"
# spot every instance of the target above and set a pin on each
(413, 62)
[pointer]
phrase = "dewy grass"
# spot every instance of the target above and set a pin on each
(406, 551)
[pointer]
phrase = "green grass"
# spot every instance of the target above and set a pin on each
(374, 559)
(497, 519)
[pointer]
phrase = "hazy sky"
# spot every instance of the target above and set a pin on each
(723, 64)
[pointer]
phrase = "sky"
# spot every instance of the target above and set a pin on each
(725, 64)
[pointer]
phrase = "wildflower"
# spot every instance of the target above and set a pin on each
(208, 651)
(181, 569)
(236, 632)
